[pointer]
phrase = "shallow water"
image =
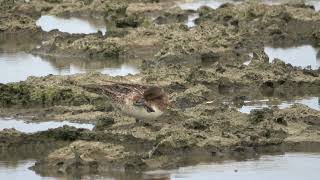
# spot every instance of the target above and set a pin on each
(73, 25)
(31, 127)
(191, 18)
(293, 166)
(214, 4)
(315, 3)
(303, 56)
(195, 4)
(19, 170)
(18, 66)
(312, 102)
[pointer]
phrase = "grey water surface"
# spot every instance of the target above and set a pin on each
(72, 25)
(303, 56)
(311, 102)
(18, 66)
(293, 166)
(214, 4)
(31, 127)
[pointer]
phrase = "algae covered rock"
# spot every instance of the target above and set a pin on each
(86, 157)
(128, 21)
(53, 1)
(27, 95)
(13, 23)
(38, 92)
(115, 10)
(6, 4)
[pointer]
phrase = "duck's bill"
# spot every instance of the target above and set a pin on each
(149, 109)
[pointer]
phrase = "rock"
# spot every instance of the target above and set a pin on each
(85, 157)
(104, 122)
(258, 115)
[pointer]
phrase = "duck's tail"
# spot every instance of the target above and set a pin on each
(113, 90)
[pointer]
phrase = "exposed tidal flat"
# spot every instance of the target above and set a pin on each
(242, 78)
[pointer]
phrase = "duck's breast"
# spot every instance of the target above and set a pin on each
(140, 112)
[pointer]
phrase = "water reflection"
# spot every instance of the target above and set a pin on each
(312, 102)
(19, 171)
(191, 20)
(303, 56)
(17, 42)
(31, 127)
(293, 166)
(196, 4)
(18, 66)
(71, 25)
(15, 160)
(315, 3)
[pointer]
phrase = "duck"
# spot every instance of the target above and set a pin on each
(138, 101)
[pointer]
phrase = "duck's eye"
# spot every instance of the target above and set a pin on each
(139, 102)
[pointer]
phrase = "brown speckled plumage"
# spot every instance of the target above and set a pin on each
(133, 99)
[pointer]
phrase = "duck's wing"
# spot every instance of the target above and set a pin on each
(114, 90)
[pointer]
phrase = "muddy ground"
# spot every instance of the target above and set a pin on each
(200, 68)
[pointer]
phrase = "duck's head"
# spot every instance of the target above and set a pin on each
(154, 101)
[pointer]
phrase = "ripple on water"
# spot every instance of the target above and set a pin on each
(18, 66)
(71, 25)
(311, 102)
(31, 127)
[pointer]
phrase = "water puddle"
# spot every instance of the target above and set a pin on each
(16, 43)
(303, 56)
(31, 127)
(315, 3)
(293, 166)
(19, 170)
(16, 160)
(191, 18)
(71, 25)
(196, 4)
(214, 4)
(311, 102)
(18, 66)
